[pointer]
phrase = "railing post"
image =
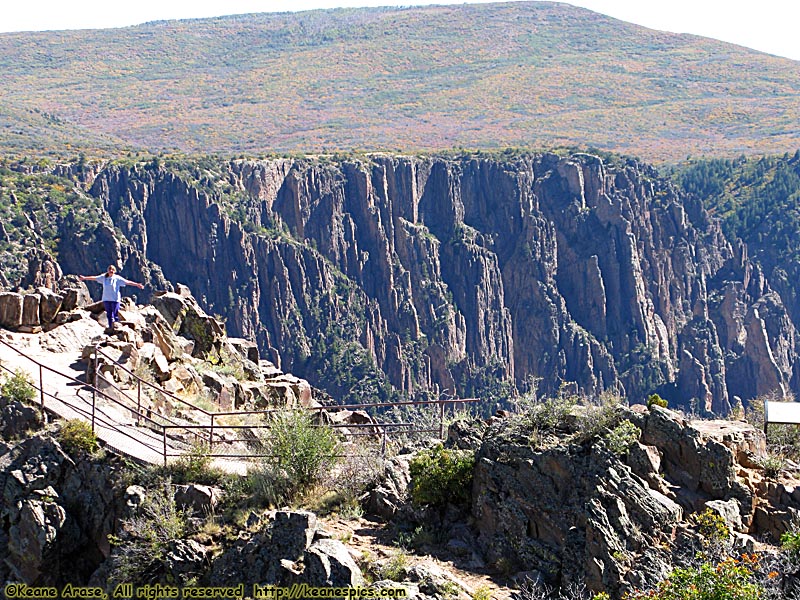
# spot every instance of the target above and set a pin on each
(441, 419)
(164, 428)
(94, 402)
(96, 362)
(211, 435)
(94, 386)
(383, 443)
(138, 402)
(41, 392)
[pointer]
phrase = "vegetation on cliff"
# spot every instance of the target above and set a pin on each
(756, 200)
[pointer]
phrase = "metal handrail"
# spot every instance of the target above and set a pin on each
(441, 402)
(91, 416)
(162, 428)
(266, 411)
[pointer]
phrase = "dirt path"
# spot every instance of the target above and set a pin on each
(372, 540)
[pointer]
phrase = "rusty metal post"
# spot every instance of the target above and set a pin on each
(163, 427)
(441, 419)
(41, 392)
(94, 402)
(383, 443)
(94, 386)
(211, 434)
(138, 402)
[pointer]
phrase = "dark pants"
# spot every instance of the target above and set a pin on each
(112, 311)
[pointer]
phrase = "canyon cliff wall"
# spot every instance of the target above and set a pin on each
(393, 274)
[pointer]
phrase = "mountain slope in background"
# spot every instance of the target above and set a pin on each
(534, 74)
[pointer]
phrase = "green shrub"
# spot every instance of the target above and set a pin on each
(77, 435)
(144, 542)
(549, 414)
(790, 542)
(354, 474)
(771, 463)
(598, 418)
(194, 467)
(656, 400)
(439, 476)
(730, 579)
(482, 593)
(712, 527)
(18, 387)
(620, 439)
(395, 568)
(299, 452)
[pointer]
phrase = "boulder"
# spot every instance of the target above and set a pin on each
(49, 304)
(569, 512)
(57, 513)
(289, 390)
(293, 532)
(691, 459)
(33, 536)
(729, 511)
(17, 418)
(76, 297)
(199, 499)
(390, 495)
(186, 318)
(184, 560)
(329, 564)
(245, 348)
(30, 309)
(465, 434)
(283, 552)
(10, 310)
(171, 346)
(189, 380)
(134, 497)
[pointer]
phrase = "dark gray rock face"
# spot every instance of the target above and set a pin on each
(570, 512)
(56, 514)
(285, 551)
(390, 495)
(431, 274)
(16, 419)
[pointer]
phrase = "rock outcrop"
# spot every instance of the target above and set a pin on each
(288, 549)
(569, 510)
(57, 513)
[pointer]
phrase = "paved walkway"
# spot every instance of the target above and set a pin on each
(66, 396)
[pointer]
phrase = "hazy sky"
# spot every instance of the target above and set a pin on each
(767, 25)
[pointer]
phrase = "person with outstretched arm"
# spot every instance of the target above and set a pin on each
(112, 284)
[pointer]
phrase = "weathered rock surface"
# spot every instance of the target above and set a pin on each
(390, 495)
(199, 499)
(283, 552)
(56, 514)
(576, 512)
(432, 274)
(16, 419)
